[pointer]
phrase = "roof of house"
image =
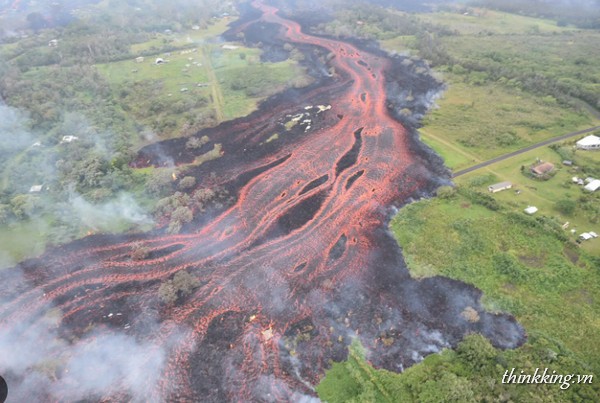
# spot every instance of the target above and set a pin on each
(590, 140)
(500, 185)
(543, 168)
(531, 209)
(593, 185)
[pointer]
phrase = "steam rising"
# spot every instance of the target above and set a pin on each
(103, 216)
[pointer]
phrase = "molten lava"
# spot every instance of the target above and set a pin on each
(290, 273)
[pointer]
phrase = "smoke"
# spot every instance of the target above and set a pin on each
(40, 365)
(103, 362)
(14, 134)
(104, 217)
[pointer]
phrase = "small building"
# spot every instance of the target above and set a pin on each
(229, 47)
(499, 187)
(196, 27)
(575, 179)
(139, 59)
(36, 189)
(542, 169)
(53, 43)
(69, 139)
(568, 163)
(585, 236)
(531, 210)
(159, 60)
(593, 185)
(589, 143)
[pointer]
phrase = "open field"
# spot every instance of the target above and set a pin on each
(196, 83)
(481, 21)
(488, 120)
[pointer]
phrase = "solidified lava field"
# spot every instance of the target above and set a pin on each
(296, 268)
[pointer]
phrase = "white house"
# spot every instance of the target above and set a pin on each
(589, 143)
(68, 139)
(499, 187)
(593, 185)
(531, 210)
(35, 189)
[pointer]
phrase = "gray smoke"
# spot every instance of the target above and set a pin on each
(14, 134)
(38, 363)
(103, 217)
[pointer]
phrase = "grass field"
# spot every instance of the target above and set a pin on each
(480, 21)
(195, 81)
(22, 240)
(474, 123)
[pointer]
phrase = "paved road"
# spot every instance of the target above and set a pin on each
(523, 150)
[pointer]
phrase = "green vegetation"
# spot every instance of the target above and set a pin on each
(181, 285)
(471, 373)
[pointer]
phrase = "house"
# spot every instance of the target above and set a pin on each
(499, 187)
(229, 47)
(196, 27)
(585, 236)
(139, 59)
(542, 169)
(531, 210)
(35, 189)
(568, 163)
(53, 43)
(68, 139)
(593, 185)
(589, 143)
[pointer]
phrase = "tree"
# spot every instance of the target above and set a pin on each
(445, 192)
(182, 285)
(566, 206)
(167, 293)
(139, 251)
(181, 215)
(187, 182)
(4, 213)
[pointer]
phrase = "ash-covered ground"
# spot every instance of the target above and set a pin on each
(289, 274)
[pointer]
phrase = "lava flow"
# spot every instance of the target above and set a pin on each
(299, 266)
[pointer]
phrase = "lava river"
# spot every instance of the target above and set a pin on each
(290, 273)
